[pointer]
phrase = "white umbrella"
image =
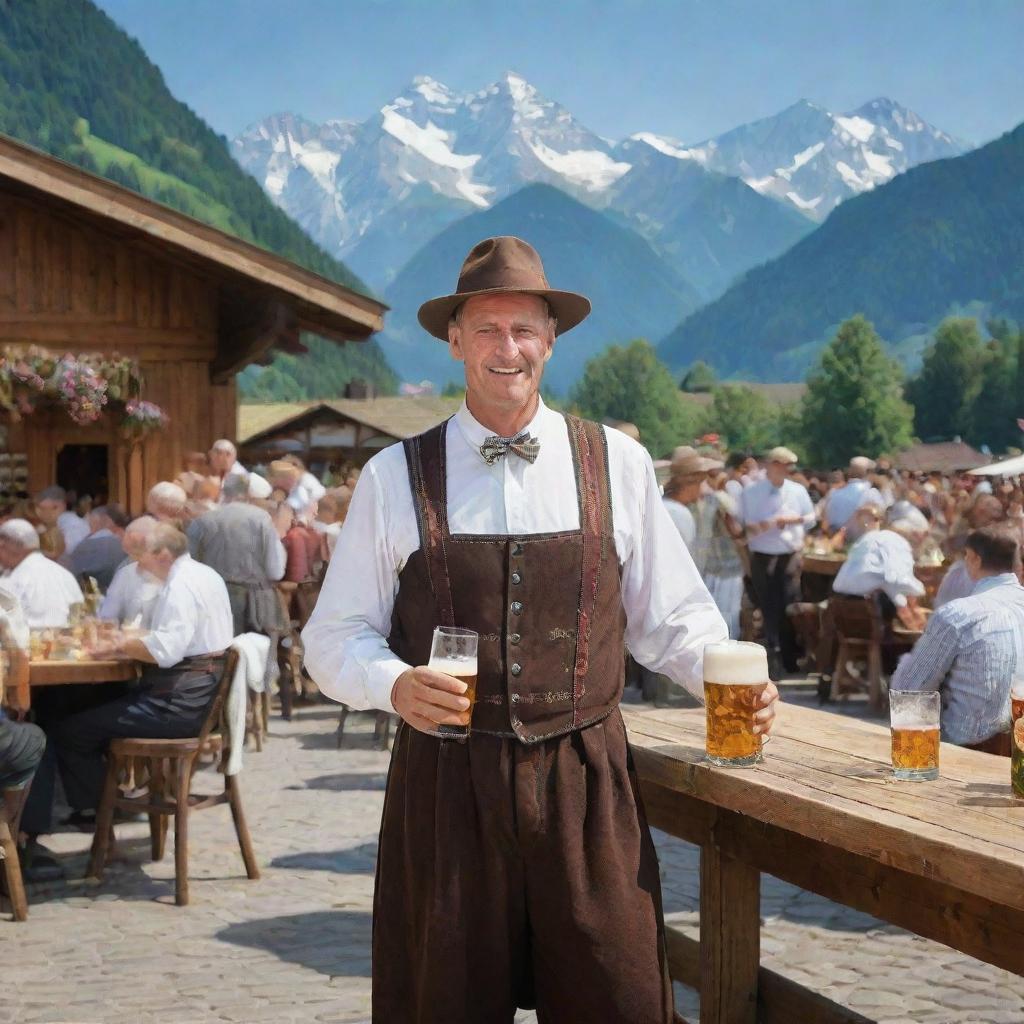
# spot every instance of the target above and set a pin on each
(1008, 467)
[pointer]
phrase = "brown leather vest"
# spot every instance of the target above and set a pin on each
(547, 606)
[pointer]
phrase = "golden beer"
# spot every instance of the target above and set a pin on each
(453, 652)
(914, 720)
(915, 750)
(735, 675)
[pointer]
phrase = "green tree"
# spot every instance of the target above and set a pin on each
(630, 383)
(698, 378)
(854, 404)
(993, 416)
(944, 393)
(745, 419)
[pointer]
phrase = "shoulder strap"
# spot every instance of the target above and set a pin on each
(590, 456)
(424, 456)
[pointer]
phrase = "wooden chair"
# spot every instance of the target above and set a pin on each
(10, 818)
(859, 630)
(172, 763)
(381, 727)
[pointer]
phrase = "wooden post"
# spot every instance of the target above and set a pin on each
(730, 938)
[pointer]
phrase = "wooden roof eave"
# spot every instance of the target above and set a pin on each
(318, 304)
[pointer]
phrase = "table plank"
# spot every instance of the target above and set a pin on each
(795, 790)
(59, 672)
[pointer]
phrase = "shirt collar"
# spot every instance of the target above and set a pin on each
(476, 433)
(1003, 579)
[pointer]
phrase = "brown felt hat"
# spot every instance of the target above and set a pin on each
(503, 264)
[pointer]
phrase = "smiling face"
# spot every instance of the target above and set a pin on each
(504, 340)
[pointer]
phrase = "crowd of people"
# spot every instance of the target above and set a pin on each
(220, 552)
(749, 524)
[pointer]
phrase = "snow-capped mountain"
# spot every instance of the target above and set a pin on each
(374, 192)
(815, 159)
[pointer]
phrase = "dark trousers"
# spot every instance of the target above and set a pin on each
(775, 587)
(21, 749)
(517, 875)
(166, 704)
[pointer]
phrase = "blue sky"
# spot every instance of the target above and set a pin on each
(687, 68)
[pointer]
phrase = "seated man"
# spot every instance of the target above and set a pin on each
(132, 591)
(52, 509)
(974, 646)
(45, 589)
(882, 560)
(100, 553)
(183, 653)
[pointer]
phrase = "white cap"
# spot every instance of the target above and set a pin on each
(258, 487)
(22, 532)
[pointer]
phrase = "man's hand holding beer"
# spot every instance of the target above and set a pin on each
(426, 698)
(764, 717)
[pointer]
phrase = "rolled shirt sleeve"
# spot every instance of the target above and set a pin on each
(347, 653)
(670, 615)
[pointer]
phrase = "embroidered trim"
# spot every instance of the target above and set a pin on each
(547, 697)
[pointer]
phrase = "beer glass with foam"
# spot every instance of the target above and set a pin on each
(914, 717)
(735, 675)
(454, 653)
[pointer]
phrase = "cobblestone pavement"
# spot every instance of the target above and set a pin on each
(295, 946)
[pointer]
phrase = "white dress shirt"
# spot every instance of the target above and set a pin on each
(844, 501)
(191, 616)
(131, 596)
(45, 589)
(670, 615)
(314, 488)
(761, 501)
(880, 560)
(74, 529)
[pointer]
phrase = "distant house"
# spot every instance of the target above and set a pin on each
(161, 307)
(943, 457)
(349, 429)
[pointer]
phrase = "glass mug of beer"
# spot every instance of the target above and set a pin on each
(914, 718)
(735, 675)
(454, 653)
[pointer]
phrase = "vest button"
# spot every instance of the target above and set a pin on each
(517, 577)
(514, 638)
(516, 668)
(517, 607)
(517, 550)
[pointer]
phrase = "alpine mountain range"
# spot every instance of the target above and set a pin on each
(379, 193)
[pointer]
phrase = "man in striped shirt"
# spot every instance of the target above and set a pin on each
(974, 646)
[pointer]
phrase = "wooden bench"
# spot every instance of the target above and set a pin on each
(943, 859)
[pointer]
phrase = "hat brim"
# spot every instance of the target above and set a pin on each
(569, 308)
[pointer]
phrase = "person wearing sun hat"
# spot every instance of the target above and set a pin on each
(546, 535)
(776, 512)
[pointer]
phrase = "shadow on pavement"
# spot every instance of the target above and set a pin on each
(357, 860)
(330, 942)
(345, 781)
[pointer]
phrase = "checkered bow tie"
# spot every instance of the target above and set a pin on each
(525, 446)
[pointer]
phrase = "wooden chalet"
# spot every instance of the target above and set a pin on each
(88, 267)
(941, 457)
(345, 429)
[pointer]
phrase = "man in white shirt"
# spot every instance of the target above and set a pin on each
(287, 478)
(224, 464)
(688, 472)
(547, 536)
(52, 509)
(183, 654)
(45, 589)
(842, 502)
(776, 512)
(133, 591)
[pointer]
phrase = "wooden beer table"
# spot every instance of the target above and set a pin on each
(943, 859)
(58, 672)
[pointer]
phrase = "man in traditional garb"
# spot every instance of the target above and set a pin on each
(45, 589)
(515, 868)
(973, 646)
(240, 542)
(52, 509)
(100, 554)
(776, 511)
(133, 591)
(183, 656)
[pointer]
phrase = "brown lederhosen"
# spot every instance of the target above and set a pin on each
(517, 868)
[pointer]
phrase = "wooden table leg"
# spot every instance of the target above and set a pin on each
(730, 939)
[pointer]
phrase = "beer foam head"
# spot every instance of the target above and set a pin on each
(454, 666)
(737, 662)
